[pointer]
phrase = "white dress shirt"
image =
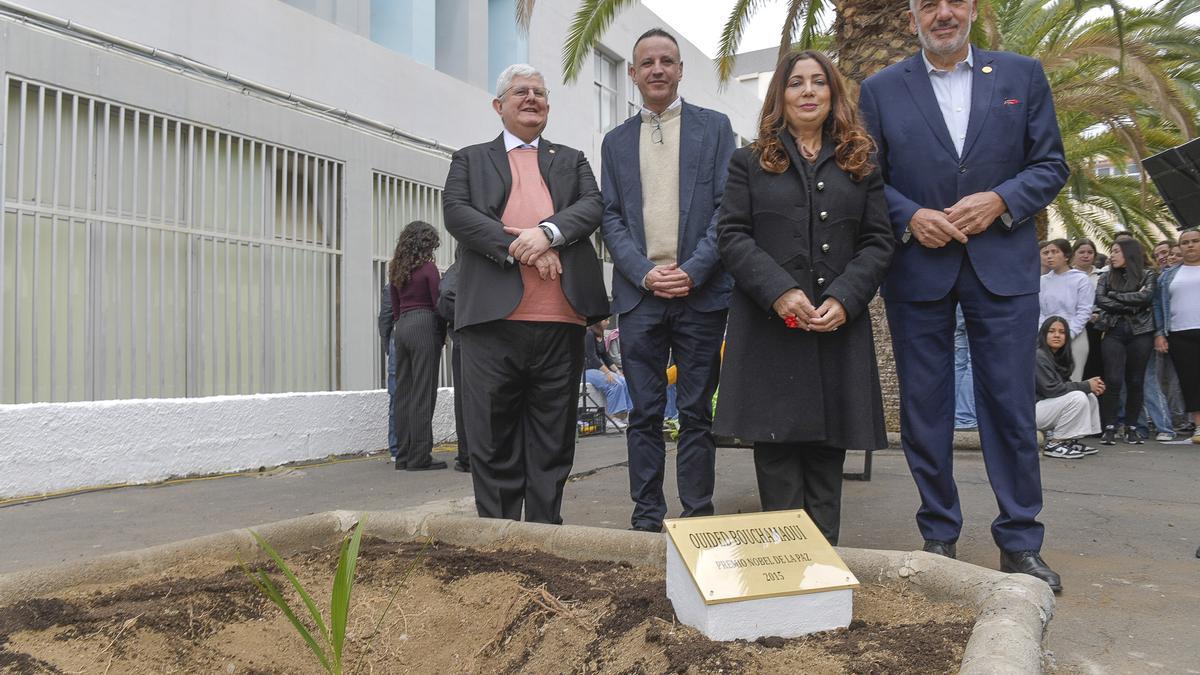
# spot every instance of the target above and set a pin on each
(953, 91)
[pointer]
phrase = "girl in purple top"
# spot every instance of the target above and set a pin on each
(418, 334)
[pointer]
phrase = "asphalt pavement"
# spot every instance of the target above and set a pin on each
(1122, 528)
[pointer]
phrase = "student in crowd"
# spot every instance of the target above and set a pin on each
(1162, 253)
(1085, 258)
(601, 371)
(1067, 293)
(1124, 296)
(964, 380)
(1177, 322)
(800, 378)
(1066, 410)
(1167, 379)
(445, 308)
(419, 335)
(389, 354)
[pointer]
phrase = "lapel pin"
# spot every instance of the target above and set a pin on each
(551, 151)
(986, 69)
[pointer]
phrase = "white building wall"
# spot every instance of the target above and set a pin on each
(332, 60)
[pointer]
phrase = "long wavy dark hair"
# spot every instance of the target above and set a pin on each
(1064, 363)
(853, 147)
(414, 247)
(1129, 277)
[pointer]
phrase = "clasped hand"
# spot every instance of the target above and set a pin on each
(972, 215)
(531, 247)
(668, 281)
(530, 243)
(824, 319)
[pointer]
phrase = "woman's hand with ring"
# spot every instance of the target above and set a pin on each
(830, 316)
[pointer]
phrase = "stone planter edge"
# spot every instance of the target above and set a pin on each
(1012, 610)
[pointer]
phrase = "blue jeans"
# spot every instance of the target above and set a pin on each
(1154, 404)
(616, 393)
(393, 441)
(964, 381)
(672, 410)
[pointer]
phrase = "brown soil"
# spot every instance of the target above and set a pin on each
(459, 610)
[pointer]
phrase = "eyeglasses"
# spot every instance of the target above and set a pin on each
(540, 93)
(656, 134)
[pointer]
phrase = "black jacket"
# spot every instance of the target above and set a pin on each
(1050, 381)
(1136, 307)
(385, 314)
(830, 237)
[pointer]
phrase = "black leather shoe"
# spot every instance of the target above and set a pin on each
(1031, 563)
(427, 467)
(646, 528)
(940, 548)
(461, 467)
(400, 464)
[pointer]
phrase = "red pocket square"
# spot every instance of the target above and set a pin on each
(1011, 101)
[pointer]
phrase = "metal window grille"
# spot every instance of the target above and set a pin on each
(396, 203)
(144, 256)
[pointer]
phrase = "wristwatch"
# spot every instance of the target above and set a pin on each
(906, 236)
(547, 231)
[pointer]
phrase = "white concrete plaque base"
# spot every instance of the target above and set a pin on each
(784, 616)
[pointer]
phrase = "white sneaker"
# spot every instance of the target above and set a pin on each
(1062, 450)
(1164, 436)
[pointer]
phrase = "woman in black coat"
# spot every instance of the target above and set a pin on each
(804, 231)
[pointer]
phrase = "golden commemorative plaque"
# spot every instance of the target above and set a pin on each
(757, 555)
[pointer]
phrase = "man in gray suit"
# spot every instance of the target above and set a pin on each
(663, 172)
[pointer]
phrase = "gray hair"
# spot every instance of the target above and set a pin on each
(511, 73)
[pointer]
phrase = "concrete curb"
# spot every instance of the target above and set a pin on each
(963, 440)
(1012, 610)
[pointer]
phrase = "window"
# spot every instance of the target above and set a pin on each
(395, 203)
(143, 256)
(635, 100)
(606, 91)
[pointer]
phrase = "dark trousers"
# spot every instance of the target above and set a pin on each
(1184, 346)
(460, 429)
(1002, 331)
(521, 396)
(651, 333)
(1094, 366)
(802, 476)
(1125, 357)
(419, 335)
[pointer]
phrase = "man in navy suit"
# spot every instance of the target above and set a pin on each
(663, 172)
(970, 151)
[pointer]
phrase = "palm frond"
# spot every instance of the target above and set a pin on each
(589, 23)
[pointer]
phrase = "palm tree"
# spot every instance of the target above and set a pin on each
(1125, 87)
(1125, 82)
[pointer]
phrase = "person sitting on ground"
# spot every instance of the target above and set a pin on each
(1067, 293)
(601, 371)
(1065, 411)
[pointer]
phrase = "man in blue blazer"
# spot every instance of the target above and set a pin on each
(663, 172)
(970, 151)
